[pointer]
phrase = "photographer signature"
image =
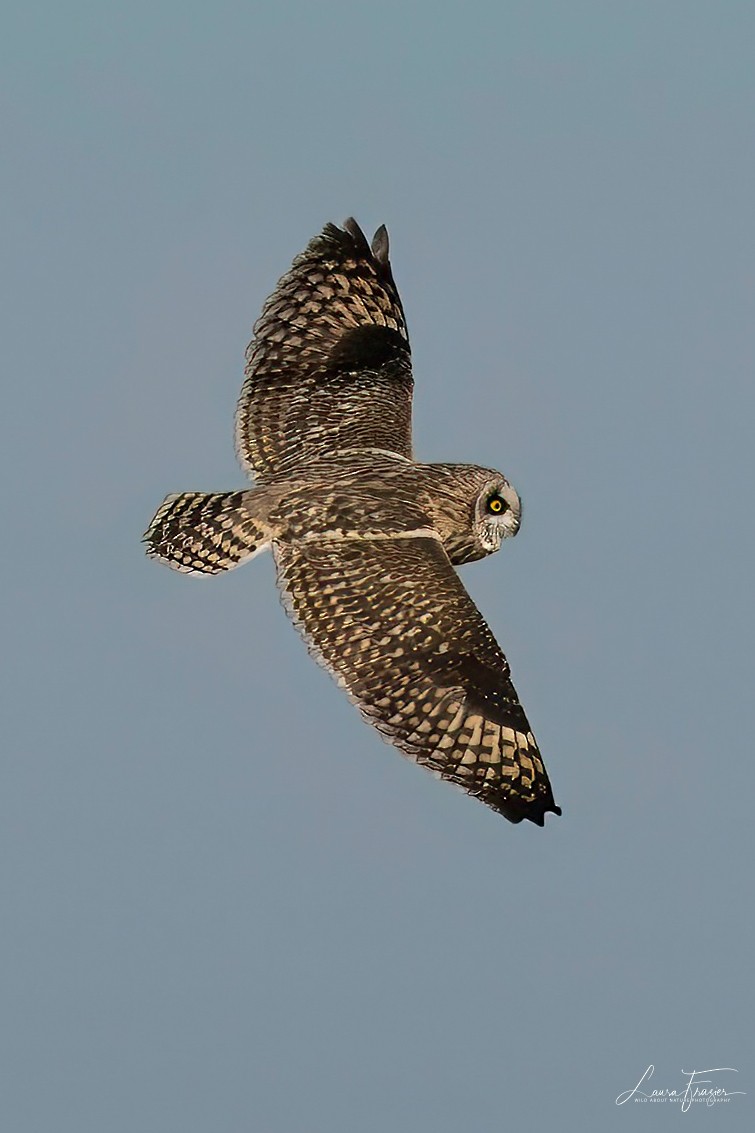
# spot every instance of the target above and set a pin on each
(697, 1089)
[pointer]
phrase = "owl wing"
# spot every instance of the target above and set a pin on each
(393, 623)
(329, 367)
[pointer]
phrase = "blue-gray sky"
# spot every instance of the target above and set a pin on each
(227, 905)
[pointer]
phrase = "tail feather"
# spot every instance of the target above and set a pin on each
(204, 533)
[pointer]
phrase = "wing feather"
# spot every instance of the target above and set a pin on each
(392, 621)
(329, 366)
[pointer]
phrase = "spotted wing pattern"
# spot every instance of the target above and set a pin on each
(329, 367)
(204, 532)
(392, 621)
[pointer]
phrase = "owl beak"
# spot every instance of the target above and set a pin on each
(513, 517)
(511, 523)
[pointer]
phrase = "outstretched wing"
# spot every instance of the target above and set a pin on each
(392, 621)
(329, 366)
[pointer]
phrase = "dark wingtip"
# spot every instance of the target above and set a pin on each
(380, 245)
(539, 816)
(353, 229)
(350, 240)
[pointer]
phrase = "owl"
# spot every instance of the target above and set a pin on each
(365, 538)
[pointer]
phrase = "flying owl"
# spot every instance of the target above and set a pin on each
(365, 538)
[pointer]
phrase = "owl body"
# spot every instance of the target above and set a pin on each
(369, 494)
(365, 538)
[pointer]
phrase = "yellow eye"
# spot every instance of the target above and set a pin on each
(495, 504)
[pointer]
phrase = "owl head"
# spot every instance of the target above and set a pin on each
(498, 513)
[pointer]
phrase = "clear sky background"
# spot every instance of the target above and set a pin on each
(227, 906)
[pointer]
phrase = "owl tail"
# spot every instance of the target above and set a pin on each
(205, 532)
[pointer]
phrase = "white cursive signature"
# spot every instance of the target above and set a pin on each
(695, 1089)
